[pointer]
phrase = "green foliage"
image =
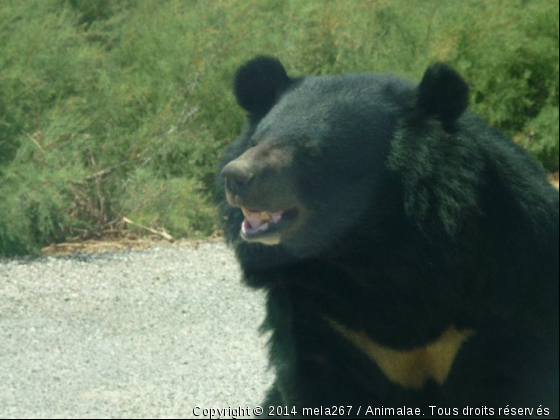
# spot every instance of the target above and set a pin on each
(541, 139)
(121, 109)
(171, 202)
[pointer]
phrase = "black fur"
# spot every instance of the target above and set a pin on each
(422, 217)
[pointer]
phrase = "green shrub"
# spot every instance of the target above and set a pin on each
(121, 109)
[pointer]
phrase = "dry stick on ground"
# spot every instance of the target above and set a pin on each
(163, 234)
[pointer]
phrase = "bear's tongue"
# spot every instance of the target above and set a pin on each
(258, 221)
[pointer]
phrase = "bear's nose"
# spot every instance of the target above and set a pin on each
(237, 178)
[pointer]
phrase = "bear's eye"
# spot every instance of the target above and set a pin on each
(313, 151)
(311, 148)
(253, 142)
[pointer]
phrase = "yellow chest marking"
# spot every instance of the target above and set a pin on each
(411, 368)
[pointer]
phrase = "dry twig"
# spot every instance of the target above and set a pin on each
(162, 233)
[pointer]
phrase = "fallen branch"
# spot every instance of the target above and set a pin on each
(104, 172)
(163, 234)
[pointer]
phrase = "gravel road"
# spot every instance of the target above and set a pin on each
(141, 334)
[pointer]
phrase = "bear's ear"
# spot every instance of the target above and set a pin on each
(259, 83)
(443, 93)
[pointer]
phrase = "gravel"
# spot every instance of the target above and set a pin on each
(142, 334)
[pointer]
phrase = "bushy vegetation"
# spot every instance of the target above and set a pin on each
(112, 109)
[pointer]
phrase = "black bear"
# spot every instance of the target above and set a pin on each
(408, 251)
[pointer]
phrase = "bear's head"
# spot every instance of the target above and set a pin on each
(311, 165)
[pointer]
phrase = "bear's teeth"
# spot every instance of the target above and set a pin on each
(263, 216)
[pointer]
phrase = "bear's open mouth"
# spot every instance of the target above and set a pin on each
(259, 223)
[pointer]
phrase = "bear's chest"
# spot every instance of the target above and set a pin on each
(411, 369)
